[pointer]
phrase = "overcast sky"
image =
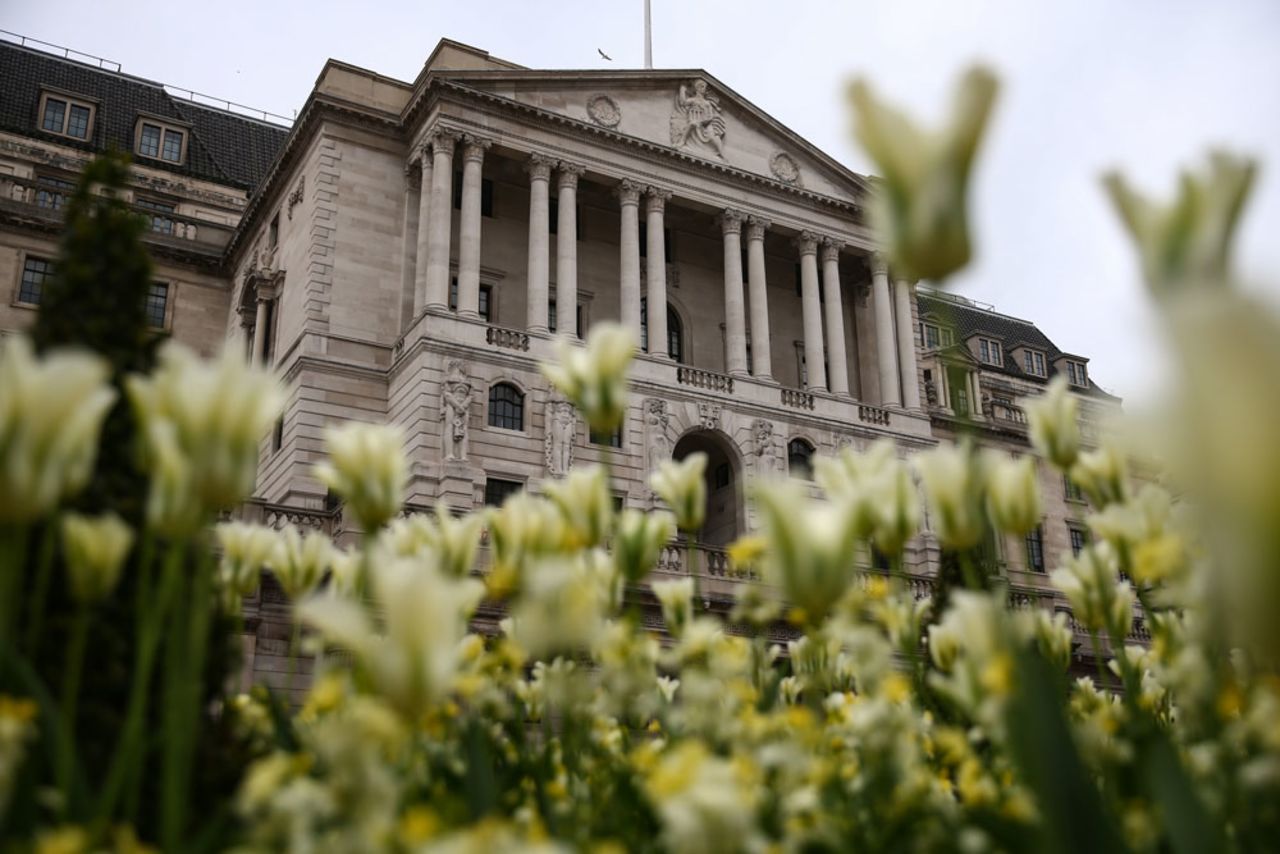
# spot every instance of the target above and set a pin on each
(1144, 85)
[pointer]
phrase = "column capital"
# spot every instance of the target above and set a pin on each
(806, 242)
(830, 249)
(539, 167)
(655, 199)
(731, 221)
(879, 266)
(569, 173)
(473, 147)
(443, 140)
(756, 227)
(418, 155)
(628, 191)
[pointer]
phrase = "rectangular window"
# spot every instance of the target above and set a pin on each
(52, 193)
(277, 435)
(78, 122)
(1076, 374)
(155, 212)
(551, 315)
(1033, 363)
(1069, 489)
(497, 490)
(157, 305)
(932, 337)
(273, 231)
(55, 115)
(486, 195)
(990, 352)
(612, 440)
(172, 150)
(149, 141)
(35, 272)
(1035, 550)
(1079, 539)
(486, 299)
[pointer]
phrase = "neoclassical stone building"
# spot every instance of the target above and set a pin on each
(408, 250)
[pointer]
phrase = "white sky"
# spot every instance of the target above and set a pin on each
(1145, 85)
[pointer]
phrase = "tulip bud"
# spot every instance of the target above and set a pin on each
(639, 540)
(676, 598)
(682, 486)
(299, 562)
(367, 469)
(95, 549)
(594, 378)
(1013, 495)
(1053, 423)
(953, 481)
(585, 504)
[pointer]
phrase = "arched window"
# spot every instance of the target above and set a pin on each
(506, 407)
(800, 459)
(675, 331)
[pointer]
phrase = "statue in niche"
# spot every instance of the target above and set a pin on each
(697, 116)
(562, 425)
(762, 438)
(657, 423)
(457, 396)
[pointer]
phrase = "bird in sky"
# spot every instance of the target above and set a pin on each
(605, 55)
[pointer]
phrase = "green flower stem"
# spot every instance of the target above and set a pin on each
(969, 570)
(177, 651)
(73, 667)
(295, 642)
(40, 595)
(695, 562)
(13, 554)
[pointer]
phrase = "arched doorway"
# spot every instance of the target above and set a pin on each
(725, 519)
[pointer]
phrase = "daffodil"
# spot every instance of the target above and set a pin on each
(1053, 423)
(1013, 495)
(594, 377)
(51, 412)
(367, 469)
(96, 549)
(201, 422)
(1186, 243)
(920, 205)
(682, 485)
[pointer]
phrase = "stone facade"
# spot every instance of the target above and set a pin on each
(400, 258)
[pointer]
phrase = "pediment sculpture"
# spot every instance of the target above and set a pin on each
(697, 118)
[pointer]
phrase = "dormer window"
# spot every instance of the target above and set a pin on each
(66, 116)
(933, 336)
(1033, 363)
(990, 352)
(160, 141)
(1076, 374)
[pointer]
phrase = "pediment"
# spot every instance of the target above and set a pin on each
(687, 111)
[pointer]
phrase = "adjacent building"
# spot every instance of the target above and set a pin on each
(406, 251)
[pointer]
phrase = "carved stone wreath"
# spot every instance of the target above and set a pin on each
(604, 111)
(784, 168)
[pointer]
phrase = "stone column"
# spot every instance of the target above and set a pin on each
(441, 219)
(409, 245)
(567, 249)
(539, 169)
(906, 345)
(975, 397)
(655, 202)
(811, 310)
(761, 359)
(260, 331)
(473, 148)
(629, 259)
(837, 356)
(422, 262)
(886, 351)
(735, 323)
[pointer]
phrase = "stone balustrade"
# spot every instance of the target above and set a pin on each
(797, 399)
(873, 415)
(708, 380)
(512, 339)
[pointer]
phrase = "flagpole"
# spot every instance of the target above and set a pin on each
(648, 36)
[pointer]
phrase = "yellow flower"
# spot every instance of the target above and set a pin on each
(67, 839)
(1013, 494)
(51, 411)
(919, 210)
(95, 550)
(202, 422)
(683, 487)
(367, 469)
(1052, 420)
(1186, 243)
(594, 377)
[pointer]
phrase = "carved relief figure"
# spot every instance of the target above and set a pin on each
(762, 438)
(562, 425)
(657, 426)
(697, 116)
(456, 406)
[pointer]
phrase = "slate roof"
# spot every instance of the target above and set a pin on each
(224, 147)
(966, 319)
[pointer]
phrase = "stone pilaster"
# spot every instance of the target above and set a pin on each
(440, 221)
(629, 255)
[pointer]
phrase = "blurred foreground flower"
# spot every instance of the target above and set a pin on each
(1186, 243)
(594, 377)
(367, 469)
(95, 549)
(682, 486)
(1053, 422)
(51, 411)
(953, 480)
(202, 422)
(920, 206)
(299, 562)
(246, 550)
(1013, 493)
